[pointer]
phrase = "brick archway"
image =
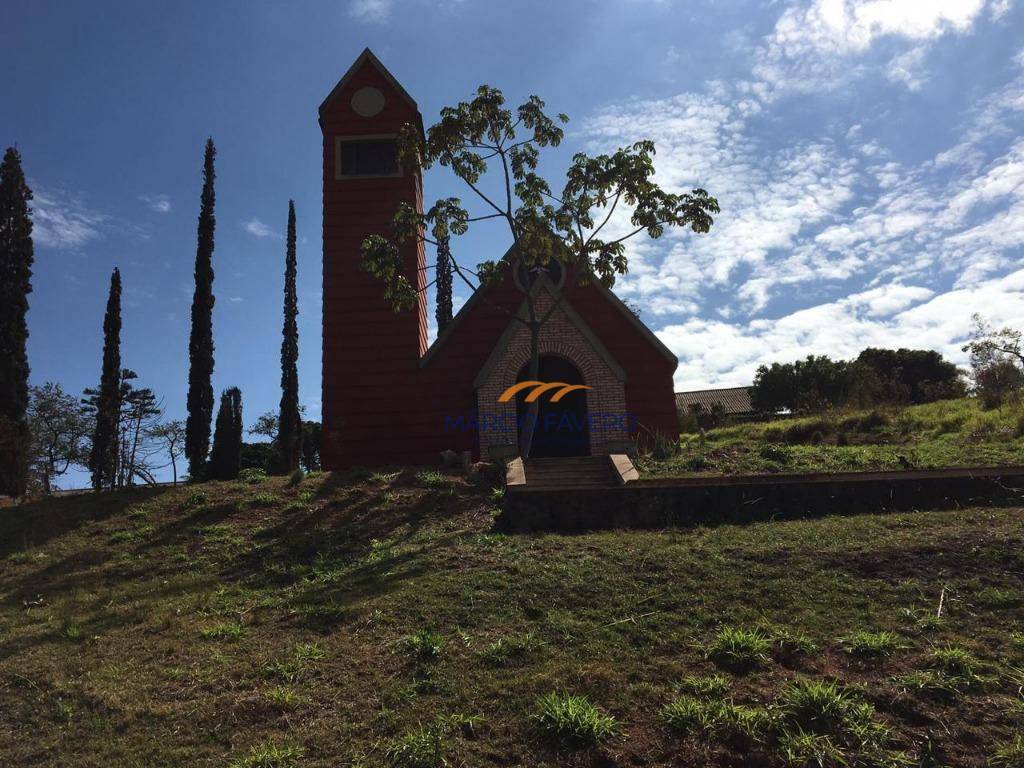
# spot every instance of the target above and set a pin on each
(563, 335)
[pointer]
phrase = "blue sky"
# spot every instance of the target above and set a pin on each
(867, 156)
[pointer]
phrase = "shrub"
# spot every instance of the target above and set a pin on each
(739, 649)
(252, 476)
(295, 478)
(867, 644)
(572, 721)
(779, 454)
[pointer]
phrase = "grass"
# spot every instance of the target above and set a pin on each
(424, 645)
(740, 649)
(511, 650)
(572, 721)
(231, 632)
(945, 433)
(1009, 755)
(269, 755)
(706, 686)
(329, 598)
(866, 644)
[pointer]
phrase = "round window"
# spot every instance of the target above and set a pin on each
(367, 102)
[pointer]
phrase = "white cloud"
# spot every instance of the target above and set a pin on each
(371, 11)
(60, 221)
(157, 203)
(257, 228)
(713, 353)
(908, 68)
(814, 44)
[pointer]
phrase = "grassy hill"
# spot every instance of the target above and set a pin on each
(946, 433)
(374, 619)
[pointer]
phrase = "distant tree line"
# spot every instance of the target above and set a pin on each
(117, 430)
(875, 376)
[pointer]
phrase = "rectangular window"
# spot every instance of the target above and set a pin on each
(367, 157)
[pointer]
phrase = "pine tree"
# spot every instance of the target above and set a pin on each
(226, 454)
(15, 286)
(443, 284)
(200, 344)
(107, 399)
(289, 436)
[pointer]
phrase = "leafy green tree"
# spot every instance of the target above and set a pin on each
(289, 436)
(15, 285)
(997, 361)
(812, 384)
(171, 436)
(226, 454)
(569, 227)
(200, 344)
(906, 376)
(59, 430)
(311, 432)
(106, 400)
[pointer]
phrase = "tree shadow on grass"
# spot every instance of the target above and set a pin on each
(35, 524)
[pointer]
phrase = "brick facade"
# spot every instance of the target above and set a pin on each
(561, 336)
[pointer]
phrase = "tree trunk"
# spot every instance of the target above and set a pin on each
(530, 422)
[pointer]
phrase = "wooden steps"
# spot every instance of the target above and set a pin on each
(570, 472)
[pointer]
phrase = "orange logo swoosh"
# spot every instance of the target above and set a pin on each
(539, 388)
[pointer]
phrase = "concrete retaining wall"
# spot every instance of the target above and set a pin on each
(740, 499)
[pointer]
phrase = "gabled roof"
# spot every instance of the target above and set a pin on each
(543, 283)
(734, 400)
(607, 293)
(367, 56)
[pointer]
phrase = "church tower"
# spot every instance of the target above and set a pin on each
(371, 354)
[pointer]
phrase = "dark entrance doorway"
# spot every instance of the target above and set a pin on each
(562, 428)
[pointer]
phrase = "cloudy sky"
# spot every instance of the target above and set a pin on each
(867, 155)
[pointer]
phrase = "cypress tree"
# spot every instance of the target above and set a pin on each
(15, 286)
(443, 284)
(107, 399)
(226, 454)
(289, 435)
(200, 343)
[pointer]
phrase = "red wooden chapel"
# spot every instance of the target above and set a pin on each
(388, 398)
